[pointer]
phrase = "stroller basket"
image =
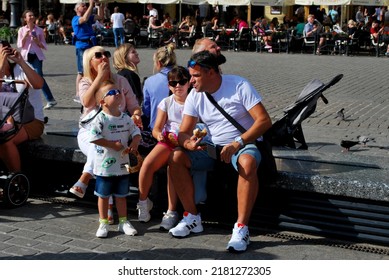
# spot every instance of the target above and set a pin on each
(287, 131)
(17, 106)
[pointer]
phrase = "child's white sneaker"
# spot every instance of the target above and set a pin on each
(102, 231)
(127, 228)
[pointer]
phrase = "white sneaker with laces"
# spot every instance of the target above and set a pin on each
(240, 238)
(127, 228)
(144, 210)
(50, 104)
(77, 100)
(190, 223)
(169, 220)
(102, 231)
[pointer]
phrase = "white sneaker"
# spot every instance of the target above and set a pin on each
(169, 220)
(144, 210)
(240, 238)
(50, 104)
(127, 228)
(190, 223)
(102, 231)
(77, 99)
(268, 47)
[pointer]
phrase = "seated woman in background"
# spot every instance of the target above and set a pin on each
(186, 30)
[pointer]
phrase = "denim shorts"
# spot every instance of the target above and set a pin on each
(113, 185)
(200, 160)
(79, 55)
(249, 149)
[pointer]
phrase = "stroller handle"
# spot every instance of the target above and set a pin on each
(334, 80)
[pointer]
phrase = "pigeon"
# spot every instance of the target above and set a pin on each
(363, 139)
(347, 144)
(340, 114)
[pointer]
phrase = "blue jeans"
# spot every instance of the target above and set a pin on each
(79, 57)
(38, 65)
(118, 32)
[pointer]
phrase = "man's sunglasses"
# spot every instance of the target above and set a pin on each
(181, 82)
(193, 64)
(111, 93)
(98, 55)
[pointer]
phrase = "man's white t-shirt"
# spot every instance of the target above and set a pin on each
(108, 162)
(153, 12)
(117, 20)
(236, 96)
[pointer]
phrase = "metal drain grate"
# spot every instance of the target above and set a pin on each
(331, 243)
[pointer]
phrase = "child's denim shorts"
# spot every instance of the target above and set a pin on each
(113, 185)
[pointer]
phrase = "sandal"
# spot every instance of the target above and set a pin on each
(78, 189)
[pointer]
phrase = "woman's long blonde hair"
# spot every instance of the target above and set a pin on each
(87, 57)
(120, 60)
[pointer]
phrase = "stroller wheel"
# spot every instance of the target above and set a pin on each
(14, 189)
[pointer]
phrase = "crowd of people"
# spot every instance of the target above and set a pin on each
(162, 29)
(175, 104)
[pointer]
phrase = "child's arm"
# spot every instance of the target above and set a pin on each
(160, 122)
(133, 145)
(135, 142)
(117, 146)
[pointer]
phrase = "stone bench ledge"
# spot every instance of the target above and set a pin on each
(342, 175)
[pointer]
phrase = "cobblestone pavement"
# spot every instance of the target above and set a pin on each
(64, 231)
(50, 230)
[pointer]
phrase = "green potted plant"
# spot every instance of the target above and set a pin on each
(9, 34)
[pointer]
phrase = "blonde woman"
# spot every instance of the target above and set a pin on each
(125, 61)
(156, 86)
(97, 70)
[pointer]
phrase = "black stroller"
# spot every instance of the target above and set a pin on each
(14, 187)
(287, 131)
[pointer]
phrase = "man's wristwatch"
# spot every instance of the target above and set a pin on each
(239, 140)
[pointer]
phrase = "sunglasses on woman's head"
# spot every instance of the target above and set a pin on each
(98, 55)
(111, 93)
(181, 82)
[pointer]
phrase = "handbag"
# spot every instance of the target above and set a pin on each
(267, 169)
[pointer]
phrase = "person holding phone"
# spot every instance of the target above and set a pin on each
(31, 41)
(13, 65)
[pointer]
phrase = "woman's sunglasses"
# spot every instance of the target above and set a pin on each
(98, 55)
(111, 93)
(181, 82)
